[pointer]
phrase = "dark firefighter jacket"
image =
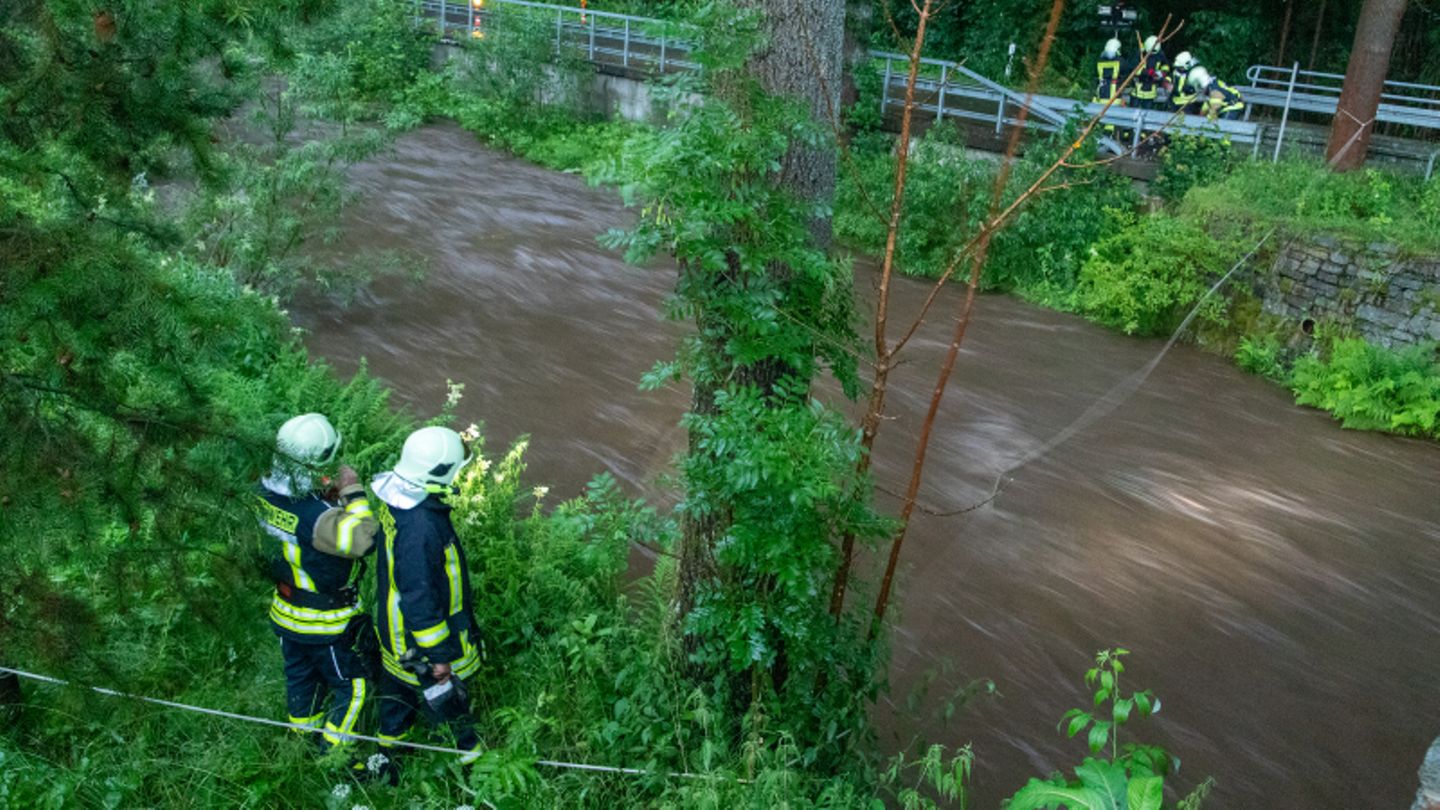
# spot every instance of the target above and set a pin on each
(423, 583)
(1153, 76)
(1185, 93)
(316, 564)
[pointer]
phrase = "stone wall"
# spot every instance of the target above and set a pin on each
(1374, 289)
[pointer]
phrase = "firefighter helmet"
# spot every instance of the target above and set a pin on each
(1152, 44)
(432, 455)
(1184, 61)
(1112, 48)
(308, 439)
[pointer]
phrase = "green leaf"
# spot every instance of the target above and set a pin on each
(1106, 782)
(1099, 735)
(1038, 795)
(1145, 793)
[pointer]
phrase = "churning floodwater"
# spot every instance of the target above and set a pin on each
(1277, 578)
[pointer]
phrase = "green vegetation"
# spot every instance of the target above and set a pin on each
(1148, 276)
(165, 171)
(1041, 252)
(1373, 388)
(148, 364)
(1131, 775)
(1302, 197)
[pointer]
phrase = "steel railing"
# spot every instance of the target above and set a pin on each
(944, 89)
(603, 37)
(1292, 89)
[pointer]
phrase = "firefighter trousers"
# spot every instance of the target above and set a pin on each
(399, 702)
(314, 672)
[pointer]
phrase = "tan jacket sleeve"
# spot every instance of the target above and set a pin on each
(347, 531)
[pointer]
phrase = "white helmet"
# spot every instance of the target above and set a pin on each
(1184, 61)
(1152, 44)
(1199, 78)
(308, 439)
(1112, 48)
(432, 455)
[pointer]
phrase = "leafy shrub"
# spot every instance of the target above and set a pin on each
(1261, 355)
(1147, 276)
(948, 194)
(382, 50)
(1189, 161)
(1041, 251)
(945, 195)
(1373, 388)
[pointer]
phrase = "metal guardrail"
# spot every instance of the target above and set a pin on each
(947, 89)
(1295, 90)
(1405, 94)
(603, 37)
(1287, 89)
(960, 92)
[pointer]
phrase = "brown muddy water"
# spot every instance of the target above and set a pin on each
(1277, 578)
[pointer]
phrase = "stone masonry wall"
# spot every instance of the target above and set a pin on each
(1385, 296)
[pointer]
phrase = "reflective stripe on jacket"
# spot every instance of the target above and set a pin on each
(1185, 93)
(1152, 75)
(1108, 73)
(423, 586)
(314, 598)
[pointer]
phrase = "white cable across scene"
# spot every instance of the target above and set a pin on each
(265, 721)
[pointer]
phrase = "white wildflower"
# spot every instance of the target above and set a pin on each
(376, 762)
(540, 492)
(466, 807)
(340, 792)
(453, 392)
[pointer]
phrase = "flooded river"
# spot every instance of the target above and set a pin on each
(1277, 578)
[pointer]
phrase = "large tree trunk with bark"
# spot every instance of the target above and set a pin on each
(802, 59)
(1364, 82)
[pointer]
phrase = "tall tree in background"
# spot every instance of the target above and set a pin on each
(1364, 82)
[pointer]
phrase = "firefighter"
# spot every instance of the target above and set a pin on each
(1153, 80)
(428, 635)
(1185, 95)
(324, 528)
(1108, 72)
(1218, 100)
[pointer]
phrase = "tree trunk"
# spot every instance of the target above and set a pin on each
(1364, 81)
(1315, 40)
(802, 60)
(1285, 31)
